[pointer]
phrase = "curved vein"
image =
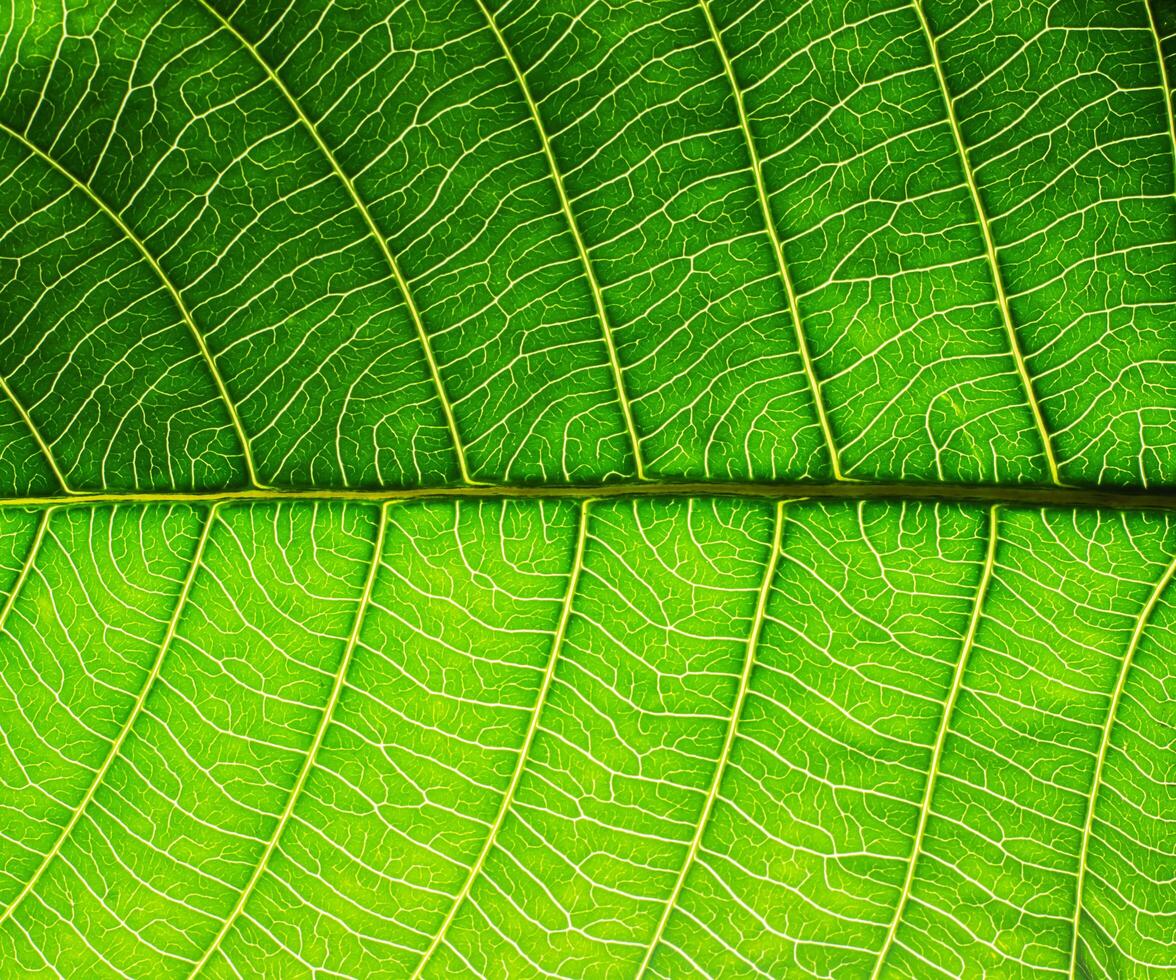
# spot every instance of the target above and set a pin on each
(593, 285)
(1104, 745)
(172, 291)
(308, 763)
(25, 570)
(712, 794)
(777, 246)
(941, 736)
(1165, 84)
(524, 749)
(116, 746)
(982, 220)
(46, 452)
(373, 230)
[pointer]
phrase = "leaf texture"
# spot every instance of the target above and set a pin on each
(610, 489)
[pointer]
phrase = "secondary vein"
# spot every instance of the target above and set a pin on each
(982, 220)
(176, 298)
(374, 231)
(1104, 745)
(757, 171)
(1165, 84)
(145, 690)
(42, 444)
(524, 749)
(749, 660)
(311, 756)
(25, 571)
(957, 683)
(593, 285)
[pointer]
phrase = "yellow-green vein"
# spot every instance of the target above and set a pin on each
(957, 682)
(1104, 745)
(524, 749)
(25, 570)
(1165, 84)
(46, 452)
(393, 265)
(582, 250)
(165, 281)
(1002, 299)
(112, 753)
(757, 171)
(312, 751)
(708, 805)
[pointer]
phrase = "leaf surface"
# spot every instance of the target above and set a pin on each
(645, 489)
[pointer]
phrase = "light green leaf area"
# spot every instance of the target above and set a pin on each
(666, 488)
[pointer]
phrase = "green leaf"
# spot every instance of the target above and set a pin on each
(651, 489)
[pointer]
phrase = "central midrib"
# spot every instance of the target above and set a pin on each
(1027, 496)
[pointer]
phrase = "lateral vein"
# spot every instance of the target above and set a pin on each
(46, 452)
(1165, 84)
(168, 285)
(982, 220)
(308, 762)
(941, 737)
(377, 236)
(145, 690)
(749, 660)
(1104, 745)
(757, 171)
(593, 285)
(25, 570)
(524, 749)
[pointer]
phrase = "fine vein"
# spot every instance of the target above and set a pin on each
(524, 749)
(309, 760)
(1002, 298)
(145, 690)
(593, 285)
(757, 171)
(712, 794)
(957, 682)
(1104, 745)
